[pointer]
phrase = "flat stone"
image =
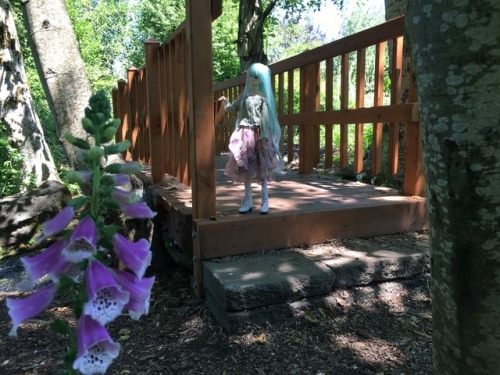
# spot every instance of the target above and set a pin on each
(265, 279)
(266, 286)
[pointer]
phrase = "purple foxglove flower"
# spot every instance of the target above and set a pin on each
(58, 223)
(121, 179)
(125, 197)
(96, 349)
(140, 292)
(50, 262)
(135, 255)
(82, 243)
(139, 210)
(106, 297)
(26, 308)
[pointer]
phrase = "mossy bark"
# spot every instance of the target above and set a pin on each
(455, 49)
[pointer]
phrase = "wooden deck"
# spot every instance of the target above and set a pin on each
(304, 209)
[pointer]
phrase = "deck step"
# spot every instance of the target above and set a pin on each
(259, 286)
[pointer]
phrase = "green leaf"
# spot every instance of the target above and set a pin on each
(78, 202)
(78, 142)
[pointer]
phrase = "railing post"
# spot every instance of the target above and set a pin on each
(201, 121)
(309, 134)
(414, 179)
(153, 115)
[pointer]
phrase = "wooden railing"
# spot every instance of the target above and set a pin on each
(168, 107)
(304, 110)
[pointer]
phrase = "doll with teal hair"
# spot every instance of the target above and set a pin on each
(254, 144)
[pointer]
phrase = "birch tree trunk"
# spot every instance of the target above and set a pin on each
(59, 66)
(16, 105)
(455, 49)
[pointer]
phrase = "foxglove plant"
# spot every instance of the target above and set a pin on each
(78, 260)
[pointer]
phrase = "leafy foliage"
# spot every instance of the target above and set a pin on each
(12, 178)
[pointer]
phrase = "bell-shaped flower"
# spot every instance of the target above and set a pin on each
(82, 242)
(58, 223)
(134, 255)
(121, 179)
(96, 349)
(125, 197)
(140, 292)
(51, 262)
(26, 308)
(139, 210)
(106, 297)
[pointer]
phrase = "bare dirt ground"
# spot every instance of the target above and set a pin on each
(374, 330)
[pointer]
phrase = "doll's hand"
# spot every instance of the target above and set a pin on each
(222, 99)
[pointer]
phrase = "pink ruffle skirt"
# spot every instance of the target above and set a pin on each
(250, 156)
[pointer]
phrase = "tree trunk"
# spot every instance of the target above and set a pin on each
(250, 41)
(16, 105)
(60, 67)
(455, 50)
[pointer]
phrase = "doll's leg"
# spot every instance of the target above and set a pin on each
(264, 208)
(247, 203)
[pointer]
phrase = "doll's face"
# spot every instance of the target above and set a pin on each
(254, 80)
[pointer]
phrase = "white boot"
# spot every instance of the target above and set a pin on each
(264, 207)
(247, 203)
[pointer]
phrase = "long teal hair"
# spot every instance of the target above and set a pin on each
(263, 73)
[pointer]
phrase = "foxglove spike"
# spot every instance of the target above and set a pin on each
(138, 210)
(135, 255)
(106, 297)
(26, 308)
(82, 243)
(58, 223)
(140, 292)
(96, 349)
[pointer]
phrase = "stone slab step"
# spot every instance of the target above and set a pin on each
(241, 286)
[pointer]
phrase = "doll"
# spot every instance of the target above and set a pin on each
(254, 144)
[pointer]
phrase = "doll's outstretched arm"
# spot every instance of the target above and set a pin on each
(230, 107)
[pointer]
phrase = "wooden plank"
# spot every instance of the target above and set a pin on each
(396, 80)
(309, 136)
(344, 104)
(236, 235)
(404, 112)
(290, 105)
(132, 111)
(414, 180)
(376, 155)
(154, 112)
(328, 107)
(164, 109)
(360, 103)
(183, 112)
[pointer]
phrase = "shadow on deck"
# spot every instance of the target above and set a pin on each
(304, 209)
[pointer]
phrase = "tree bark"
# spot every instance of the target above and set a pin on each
(455, 50)
(16, 105)
(59, 66)
(250, 32)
